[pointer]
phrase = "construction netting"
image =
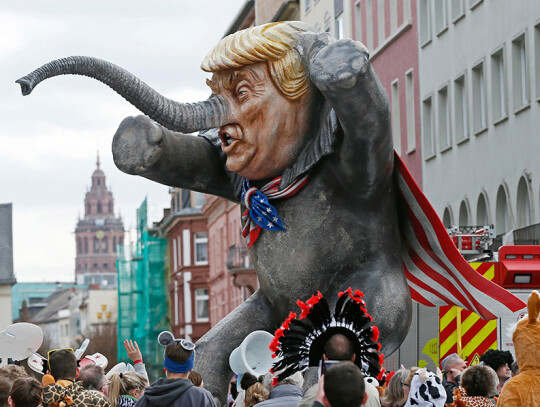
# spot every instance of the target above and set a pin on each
(142, 295)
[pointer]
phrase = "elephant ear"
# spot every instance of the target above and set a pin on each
(533, 307)
(165, 338)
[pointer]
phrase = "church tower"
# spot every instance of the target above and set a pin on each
(97, 236)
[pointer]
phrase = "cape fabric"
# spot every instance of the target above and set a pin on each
(436, 272)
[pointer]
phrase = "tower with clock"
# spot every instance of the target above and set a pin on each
(98, 235)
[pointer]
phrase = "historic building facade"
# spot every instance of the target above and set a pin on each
(185, 228)
(97, 235)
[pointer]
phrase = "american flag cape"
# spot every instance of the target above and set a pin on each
(436, 272)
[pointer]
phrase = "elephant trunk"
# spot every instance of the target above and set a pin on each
(181, 117)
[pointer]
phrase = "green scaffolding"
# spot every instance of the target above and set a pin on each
(142, 295)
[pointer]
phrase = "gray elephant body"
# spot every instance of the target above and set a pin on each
(341, 228)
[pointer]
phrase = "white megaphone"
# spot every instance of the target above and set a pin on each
(253, 355)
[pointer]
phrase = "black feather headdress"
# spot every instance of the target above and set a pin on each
(299, 342)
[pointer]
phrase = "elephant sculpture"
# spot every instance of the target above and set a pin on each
(296, 111)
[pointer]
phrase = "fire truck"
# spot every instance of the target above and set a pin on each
(438, 332)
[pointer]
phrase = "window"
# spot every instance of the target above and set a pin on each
(537, 59)
(523, 204)
(198, 199)
(358, 21)
(85, 244)
(369, 24)
(396, 122)
(338, 27)
(327, 19)
(393, 16)
(441, 17)
(464, 214)
(457, 9)
(502, 212)
(448, 218)
(99, 207)
(425, 21)
(175, 258)
(444, 119)
(338, 20)
(307, 6)
(96, 245)
(482, 213)
(409, 106)
(520, 73)
(498, 85)
(460, 109)
(201, 304)
(201, 248)
(479, 98)
(427, 128)
(380, 22)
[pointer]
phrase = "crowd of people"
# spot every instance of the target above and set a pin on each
(341, 381)
(342, 384)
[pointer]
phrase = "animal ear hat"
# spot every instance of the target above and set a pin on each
(300, 340)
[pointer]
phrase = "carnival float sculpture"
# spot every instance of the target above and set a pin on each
(297, 130)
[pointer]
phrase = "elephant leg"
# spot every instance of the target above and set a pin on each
(214, 348)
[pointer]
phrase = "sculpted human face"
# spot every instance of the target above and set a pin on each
(267, 131)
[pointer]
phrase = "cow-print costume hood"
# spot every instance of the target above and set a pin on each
(426, 390)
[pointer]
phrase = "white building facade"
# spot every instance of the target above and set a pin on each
(479, 65)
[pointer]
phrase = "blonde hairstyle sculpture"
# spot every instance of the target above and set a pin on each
(122, 383)
(271, 43)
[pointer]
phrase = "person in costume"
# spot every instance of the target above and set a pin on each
(60, 388)
(126, 388)
(318, 335)
(176, 390)
(500, 361)
(478, 383)
(524, 389)
(299, 133)
(426, 390)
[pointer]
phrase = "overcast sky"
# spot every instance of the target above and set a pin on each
(49, 139)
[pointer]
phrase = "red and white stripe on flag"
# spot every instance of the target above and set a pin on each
(436, 272)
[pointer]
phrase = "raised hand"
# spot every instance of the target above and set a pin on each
(132, 349)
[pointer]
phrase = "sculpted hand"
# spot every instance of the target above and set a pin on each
(137, 145)
(132, 349)
(338, 65)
